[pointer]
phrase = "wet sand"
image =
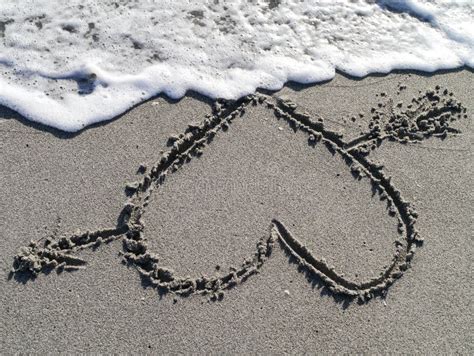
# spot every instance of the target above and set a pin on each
(286, 222)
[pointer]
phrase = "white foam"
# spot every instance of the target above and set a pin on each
(69, 64)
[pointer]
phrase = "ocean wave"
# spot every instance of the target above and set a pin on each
(69, 64)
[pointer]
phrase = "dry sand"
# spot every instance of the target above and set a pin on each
(263, 189)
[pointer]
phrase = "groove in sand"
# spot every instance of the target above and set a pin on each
(429, 115)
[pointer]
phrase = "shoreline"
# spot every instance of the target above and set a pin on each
(198, 96)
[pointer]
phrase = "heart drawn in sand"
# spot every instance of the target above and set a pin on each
(430, 116)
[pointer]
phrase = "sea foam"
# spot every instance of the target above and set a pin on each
(69, 64)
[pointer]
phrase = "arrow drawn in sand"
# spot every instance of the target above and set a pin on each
(428, 115)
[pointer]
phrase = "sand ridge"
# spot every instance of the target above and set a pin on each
(428, 115)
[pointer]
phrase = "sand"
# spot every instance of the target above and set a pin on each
(296, 221)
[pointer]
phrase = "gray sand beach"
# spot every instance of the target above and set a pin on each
(296, 195)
